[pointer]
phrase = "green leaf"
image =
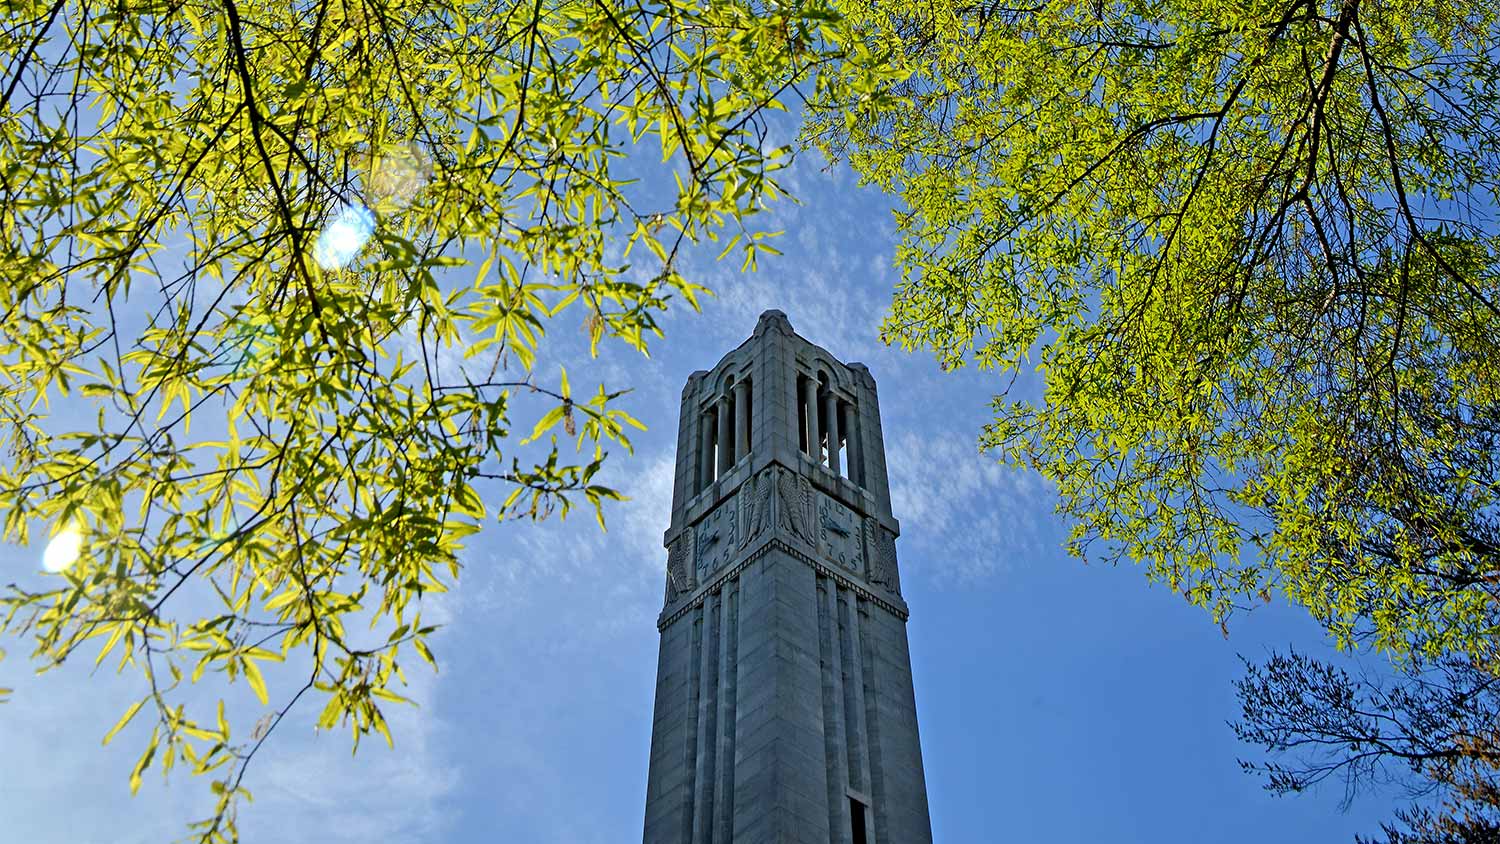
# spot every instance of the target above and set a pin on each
(124, 719)
(256, 681)
(117, 631)
(145, 761)
(548, 421)
(344, 444)
(421, 646)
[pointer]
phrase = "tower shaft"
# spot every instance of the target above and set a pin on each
(784, 704)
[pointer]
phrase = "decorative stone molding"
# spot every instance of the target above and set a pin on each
(773, 320)
(755, 505)
(883, 557)
(671, 614)
(680, 566)
(795, 493)
(862, 374)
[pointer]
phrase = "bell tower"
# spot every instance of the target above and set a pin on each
(784, 704)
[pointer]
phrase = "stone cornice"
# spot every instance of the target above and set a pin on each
(861, 500)
(890, 603)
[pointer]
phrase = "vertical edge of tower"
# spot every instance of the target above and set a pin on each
(683, 477)
(897, 779)
(672, 722)
(670, 737)
(872, 444)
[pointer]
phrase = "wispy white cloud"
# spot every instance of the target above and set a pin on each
(963, 515)
(309, 789)
(59, 785)
(559, 566)
(642, 520)
(821, 306)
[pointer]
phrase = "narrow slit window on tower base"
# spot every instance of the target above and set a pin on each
(857, 821)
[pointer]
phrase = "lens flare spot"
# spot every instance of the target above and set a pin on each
(63, 550)
(343, 237)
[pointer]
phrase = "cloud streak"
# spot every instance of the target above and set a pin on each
(964, 516)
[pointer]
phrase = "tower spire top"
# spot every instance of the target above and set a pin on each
(772, 319)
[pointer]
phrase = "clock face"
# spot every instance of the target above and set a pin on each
(714, 535)
(838, 534)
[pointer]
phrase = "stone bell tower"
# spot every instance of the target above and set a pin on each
(784, 704)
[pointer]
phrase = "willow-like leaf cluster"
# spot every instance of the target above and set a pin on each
(274, 283)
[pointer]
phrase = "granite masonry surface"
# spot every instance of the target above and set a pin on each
(784, 706)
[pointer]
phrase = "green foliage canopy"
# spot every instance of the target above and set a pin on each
(215, 404)
(1251, 247)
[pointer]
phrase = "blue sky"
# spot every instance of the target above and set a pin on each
(1058, 702)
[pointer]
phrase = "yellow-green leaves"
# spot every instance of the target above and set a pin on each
(425, 652)
(1237, 242)
(124, 719)
(265, 442)
(144, 761)
(253, 676)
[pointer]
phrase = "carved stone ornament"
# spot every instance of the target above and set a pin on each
(680, 565)
(862, 374)
(883, 560)
(795, 494)
(805, 487)
(755, 506)
(773, 320)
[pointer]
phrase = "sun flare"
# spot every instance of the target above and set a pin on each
(63, 550)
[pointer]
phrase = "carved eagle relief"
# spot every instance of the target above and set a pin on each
(795, 499)
(755, 506)
(680, 566)
(883, 563)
